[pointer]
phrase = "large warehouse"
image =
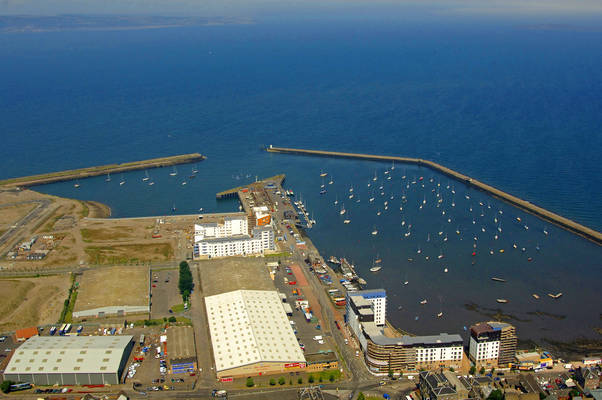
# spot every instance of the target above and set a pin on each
(251, 334)
(70, 360)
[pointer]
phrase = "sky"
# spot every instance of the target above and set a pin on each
(259, 7)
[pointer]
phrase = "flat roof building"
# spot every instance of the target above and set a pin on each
(70, 360)
(181, 351)
(492, 343)
(251, 334)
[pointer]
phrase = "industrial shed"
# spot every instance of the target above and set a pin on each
(70, 360)
(181, 349)
(251, 334)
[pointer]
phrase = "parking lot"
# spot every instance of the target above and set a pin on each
(305, 331)
(164, 293)
(7, 346)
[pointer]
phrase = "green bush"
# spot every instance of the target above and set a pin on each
(5, 386)
(496, 395)
(272, 382)
(300, 380)
(331, 378)
(361, 396)
(482, 371)
(250, 382)
(281, 380)
(472, 370)
(310, 379)
(172, 319)
(451, 369)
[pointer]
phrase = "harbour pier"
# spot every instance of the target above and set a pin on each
(531, 208)
(72, 174)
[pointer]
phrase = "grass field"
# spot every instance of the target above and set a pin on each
(11, 214)
(129, 253)
(93, 235)
(112, 286)
(31, 301)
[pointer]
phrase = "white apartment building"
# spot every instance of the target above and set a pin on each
(439, 352)
(378, 299)
(215, 240)
(492, 343)
(232, 226)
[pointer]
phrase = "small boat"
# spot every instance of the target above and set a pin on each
(330, 182)
(406, 282)
(146, 177)
(423, 302)
(195, 170)
(108, 178)
(555, 296)
(440, 315)
(376, 268)
(371, 199)
(173, 208)
(323, 191)
(336, 201)
(501, 250)
(445, 270)
(323, 174)
(343, 211)
(530, 259)
(440, 256)
(184, 183)
(346, 221)
(174, 172)
(375, 232)
(375, 178)
(501, 301)
(378, 260)
(361, 281)
(378, 213)
(151, 183)
(498, 279)
(122, 183)
(545, 231)
(535, 296)
(350, 196)
(334, 260)
(77, 185)
(518, 219)
(514, 245)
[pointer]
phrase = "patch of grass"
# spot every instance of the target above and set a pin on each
(90, 235)
(50, 225)
(178, 308)
(85, 209)
(129, 253)
(283, 254)
(183, 320)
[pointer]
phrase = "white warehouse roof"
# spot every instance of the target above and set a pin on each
(68, 354)
(250, 326)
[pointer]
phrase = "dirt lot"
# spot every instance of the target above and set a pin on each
(129, 253)
(12, 213)
(32, 301)
(225, 275)
(112, 286)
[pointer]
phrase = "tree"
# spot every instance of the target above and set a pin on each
(492, 371)
(331, 378)
(473, 369)
(482, 371)
(300, 380)
(361, 396)
(320, 379)
(250, 382)
(310, 379)
(281, 381)
(185, 283)
(172, 319)
(390, 373)
(451, 369)
(272, 382)
(496, 395)
(5, 386)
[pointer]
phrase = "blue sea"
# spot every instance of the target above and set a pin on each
(514, 102)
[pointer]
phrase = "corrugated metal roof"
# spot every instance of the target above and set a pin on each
(250, 326)
(69, 354)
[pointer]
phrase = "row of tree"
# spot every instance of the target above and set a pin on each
(185, 283)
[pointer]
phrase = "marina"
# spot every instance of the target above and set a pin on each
(523, 204)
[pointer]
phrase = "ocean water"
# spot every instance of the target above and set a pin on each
(507, 102)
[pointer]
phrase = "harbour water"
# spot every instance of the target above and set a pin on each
(514, 107)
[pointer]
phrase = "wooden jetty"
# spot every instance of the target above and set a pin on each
(82, 173)
(275, 180)
(542, 213)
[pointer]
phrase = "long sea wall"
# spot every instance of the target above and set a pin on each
(72, 174)
(542, 213)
